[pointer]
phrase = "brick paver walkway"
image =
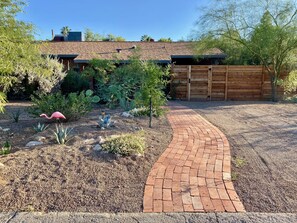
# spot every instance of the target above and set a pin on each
(194, 172)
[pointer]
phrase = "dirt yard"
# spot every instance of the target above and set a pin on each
(75, 177)
(264, 135)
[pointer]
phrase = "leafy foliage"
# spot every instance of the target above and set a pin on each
(74, 105)
(20, 56)
(6, 148)
(48, 80)
(91, 36)
(99, 70)
(62, 134)
(267, 30)
(40, 127)
(168, 40)
(74, 82)
(130, 85)
(65, 31)
(152, 85)
(128, 144)
(290, 82)
(146, 38)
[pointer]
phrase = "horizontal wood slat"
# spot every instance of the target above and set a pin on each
(220, 82)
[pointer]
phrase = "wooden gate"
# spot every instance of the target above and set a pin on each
(220, 82)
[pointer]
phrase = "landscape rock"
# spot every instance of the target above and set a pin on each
(33, 143)
(89, 141)
(101, 140)
(40, 138)
(127, 115)
(97, 147)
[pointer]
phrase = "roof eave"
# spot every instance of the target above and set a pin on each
(213, 56)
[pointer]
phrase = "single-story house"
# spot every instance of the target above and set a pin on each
(76, 55)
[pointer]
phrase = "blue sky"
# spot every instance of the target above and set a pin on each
(130, 18)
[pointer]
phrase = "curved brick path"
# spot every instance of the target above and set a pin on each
(194, 172)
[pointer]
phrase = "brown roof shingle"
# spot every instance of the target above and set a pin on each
(159, 51)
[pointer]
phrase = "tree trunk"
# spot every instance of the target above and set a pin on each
(273, 80)
(151, 112)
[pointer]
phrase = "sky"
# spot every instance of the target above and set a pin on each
(127, 18)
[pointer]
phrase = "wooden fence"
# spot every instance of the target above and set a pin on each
(220, 82)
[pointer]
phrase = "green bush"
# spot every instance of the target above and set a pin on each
(73, 106)
(128, 144)
(74, 82)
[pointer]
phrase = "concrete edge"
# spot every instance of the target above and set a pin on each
(76, 217)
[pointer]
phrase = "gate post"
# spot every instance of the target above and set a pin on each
(209, 82)
(189, 83)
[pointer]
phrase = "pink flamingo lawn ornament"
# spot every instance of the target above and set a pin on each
(56, 115)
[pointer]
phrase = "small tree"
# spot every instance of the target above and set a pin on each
(267, 29)
(91, 36)
(19, 55)
(146, 38)
(65, 31)
(151, 94)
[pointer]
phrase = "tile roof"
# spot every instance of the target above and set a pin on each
(159, 51)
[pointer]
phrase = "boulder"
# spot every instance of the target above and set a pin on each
(127, 115)
(33, 143)
(97, 147)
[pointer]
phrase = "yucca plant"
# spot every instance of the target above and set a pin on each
(40, 127)
(62, 134)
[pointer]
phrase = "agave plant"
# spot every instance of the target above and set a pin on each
(40, 127)
(62, 134)
(15, 115)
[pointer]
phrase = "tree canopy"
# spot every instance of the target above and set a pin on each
(19, 55)
(65, 31)
(264, 30)
(146, 38)
(91, 36)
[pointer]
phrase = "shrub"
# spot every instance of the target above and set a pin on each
(152, 86)
(46, 79)
(99, 71)
(128, 144)
(143, 111)
(74, 82)
(74, 105)
(6, 148)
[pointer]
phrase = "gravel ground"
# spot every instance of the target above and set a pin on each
(73, 177)
(263, 136)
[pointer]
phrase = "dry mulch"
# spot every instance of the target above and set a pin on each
(52, 177)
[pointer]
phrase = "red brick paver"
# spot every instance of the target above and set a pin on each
(194, 172)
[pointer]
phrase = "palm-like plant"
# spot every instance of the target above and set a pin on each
(65, 31)
(146, 38)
